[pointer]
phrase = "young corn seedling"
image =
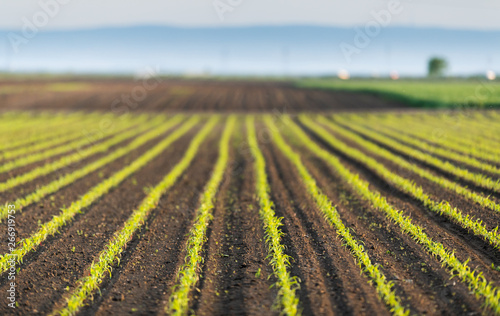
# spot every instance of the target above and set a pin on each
(67, 214)
(476, 282)
(89, 284)
(69, 178)
(188, 275)
(383, 287)
(286, 284)
(407, 186)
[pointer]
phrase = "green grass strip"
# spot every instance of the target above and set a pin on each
(478, 179)
(188, 275)
(69, 178)
(286, 284)
(70, 159)
(406, 185)
(442, 181)
(114, 248)
(476, 282)
(383, 287)
(67, 214)
(79, 143)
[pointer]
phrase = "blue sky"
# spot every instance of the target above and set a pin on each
(61, 44)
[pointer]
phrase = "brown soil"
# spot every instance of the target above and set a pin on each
(43, 211)
(436, 192)
(148, 269)
(236, 278)
(236, 275)
(439, 171)
(192, 95)
(64, 258)
(331, 283)
(418, 276)
(464, 244)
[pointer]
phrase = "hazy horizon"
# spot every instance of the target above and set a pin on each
(238, 37)
(258, 50)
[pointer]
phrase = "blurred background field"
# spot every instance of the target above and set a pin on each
(437, 93)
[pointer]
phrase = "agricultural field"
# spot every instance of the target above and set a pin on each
(300, 210)
(164, 94)
(459, 93)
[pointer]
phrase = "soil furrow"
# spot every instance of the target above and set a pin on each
(43, 211)
(451, 236)
(427, 287)
(331, 280)
(435, 169)
(438, 193)
(459, 241)
(236, 274)
(64, 258)
(143, 281)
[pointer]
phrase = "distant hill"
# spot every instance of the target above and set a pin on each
(313, 50)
